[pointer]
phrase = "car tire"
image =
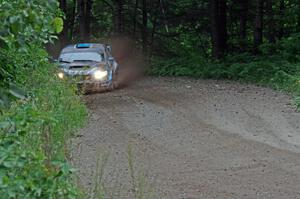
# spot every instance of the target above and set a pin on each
(114, 83)
(111, 86)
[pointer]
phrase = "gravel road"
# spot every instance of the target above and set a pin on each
(192, 139)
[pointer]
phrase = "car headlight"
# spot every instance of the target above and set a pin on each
(61, 75)
(99, 74)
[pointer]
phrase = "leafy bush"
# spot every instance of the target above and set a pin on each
(24, 23)
(43, 111)
(33, 132)
(28, 21)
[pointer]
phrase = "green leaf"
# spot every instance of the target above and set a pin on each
(17, 92)
(4, 100)
(5, 124)
(58, 24)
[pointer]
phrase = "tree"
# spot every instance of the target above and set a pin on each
(258, 24)
(118, 16)
(281, 15)
(84, 10)
(88, 18)
(144, 26)
(72, 17)
(81, 19)
(243, 23)
(135, 17)
(219, 27)
(64, 33)
(270, 21)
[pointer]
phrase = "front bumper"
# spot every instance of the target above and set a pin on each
(89, 80)
(96, 83)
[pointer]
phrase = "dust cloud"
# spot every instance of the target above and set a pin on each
(132, 64)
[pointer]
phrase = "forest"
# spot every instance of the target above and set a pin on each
(254, 41)
(211, 28)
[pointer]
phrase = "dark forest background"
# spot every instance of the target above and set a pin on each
(213, 28)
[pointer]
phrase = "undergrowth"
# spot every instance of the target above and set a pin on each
(34, 131)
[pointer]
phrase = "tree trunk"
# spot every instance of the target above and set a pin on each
(72, 20)
(118, 17)
(258, 29)
(155, 22)
(298, 20)
(219, 27)
(144, 26)
(163, 9)
(81, 19)
(270, 22)
(64, 34)
(243, 24)
(88, 17)
(134, 17)
(281, 14)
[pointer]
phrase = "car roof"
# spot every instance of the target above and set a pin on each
(84, 47)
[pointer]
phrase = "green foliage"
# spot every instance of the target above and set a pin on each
(27, 21)
(23, 23)
(38, 112)
(278, 66)
(58, 24)
(33, 132)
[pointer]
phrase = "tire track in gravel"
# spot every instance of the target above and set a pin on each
(193, 139)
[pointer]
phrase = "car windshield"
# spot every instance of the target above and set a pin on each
(80, 56)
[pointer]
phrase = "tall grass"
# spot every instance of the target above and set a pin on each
(138, 182)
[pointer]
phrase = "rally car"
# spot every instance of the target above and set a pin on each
(91, 65)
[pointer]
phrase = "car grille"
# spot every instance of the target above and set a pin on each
(80, 67)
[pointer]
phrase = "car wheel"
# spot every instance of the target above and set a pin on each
(111, 86)
(114, 84)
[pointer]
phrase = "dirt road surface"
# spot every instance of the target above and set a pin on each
(193, 139)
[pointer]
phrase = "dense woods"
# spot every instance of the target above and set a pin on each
(213, 28)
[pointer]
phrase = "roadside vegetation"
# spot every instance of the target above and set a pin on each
(38, 112)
